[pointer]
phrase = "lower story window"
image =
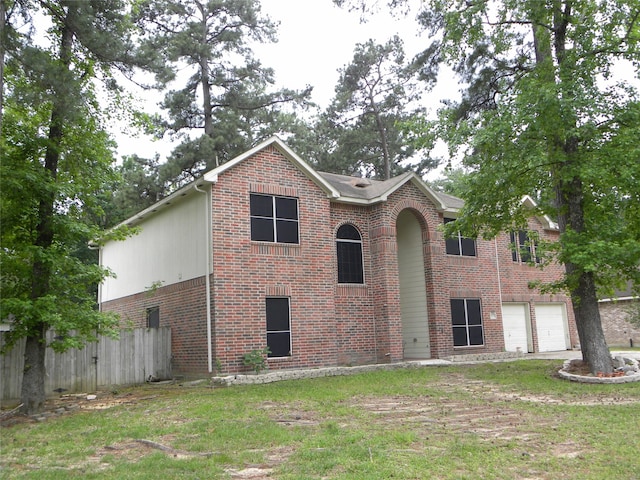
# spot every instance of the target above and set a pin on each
(466, 321)
(278, 327)
(153, 317)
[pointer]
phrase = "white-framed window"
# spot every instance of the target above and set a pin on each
(523, 247)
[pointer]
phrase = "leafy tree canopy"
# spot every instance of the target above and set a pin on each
(362, 128)
(223, 103)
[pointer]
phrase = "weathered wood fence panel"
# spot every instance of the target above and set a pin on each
(120, 364)
(135, 357)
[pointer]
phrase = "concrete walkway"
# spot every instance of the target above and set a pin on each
(571, 354)
(279, 375)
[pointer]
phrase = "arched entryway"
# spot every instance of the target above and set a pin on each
(413, 293)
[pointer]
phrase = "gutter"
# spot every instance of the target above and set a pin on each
(207, 279)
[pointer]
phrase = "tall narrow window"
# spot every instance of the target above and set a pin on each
(523, 247)
(153, 317)
(459, 245)
(278, 327)
(466, 321)
(274, 219)
(349, 252)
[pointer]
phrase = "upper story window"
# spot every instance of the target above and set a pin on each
(523, 247)
(349, 252)
(459, 245)
(274, 219)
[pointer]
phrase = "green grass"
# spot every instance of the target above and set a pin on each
(512, 420)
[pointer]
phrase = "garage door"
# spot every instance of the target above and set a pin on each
(551, 326)
(514, 325)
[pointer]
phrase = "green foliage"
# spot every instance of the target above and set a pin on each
(256, 359)
(56, 163)
(452, 181)
(228, 103)
(361, 131)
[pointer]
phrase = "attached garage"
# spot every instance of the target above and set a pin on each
(516, 327)
(551, 327)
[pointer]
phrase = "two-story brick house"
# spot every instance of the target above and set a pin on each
(325, 270)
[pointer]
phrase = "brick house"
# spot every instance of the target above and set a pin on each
(326, 270)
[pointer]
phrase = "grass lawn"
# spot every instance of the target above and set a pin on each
(512, 420)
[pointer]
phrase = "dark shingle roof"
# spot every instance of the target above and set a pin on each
(450, 201)
(367, 189)
(364, 188)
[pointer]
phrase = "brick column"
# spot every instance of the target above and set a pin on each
(386, 294)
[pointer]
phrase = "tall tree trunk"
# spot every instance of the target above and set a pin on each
(33, 392)
(382, 132)
(569, 198)
(3, 17)
(205, 81)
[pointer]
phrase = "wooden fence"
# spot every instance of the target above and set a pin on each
(135, 357)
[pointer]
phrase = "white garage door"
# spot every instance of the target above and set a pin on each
(514, 325)
(551, 326)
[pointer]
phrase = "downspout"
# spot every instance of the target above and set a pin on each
(495, 242)
(207, 280)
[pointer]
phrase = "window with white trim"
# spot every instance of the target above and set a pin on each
(349, 254)
(274, 219)
(466, 322)
(278, 327)
(459, 245)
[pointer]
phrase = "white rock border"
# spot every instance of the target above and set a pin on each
(630, 376)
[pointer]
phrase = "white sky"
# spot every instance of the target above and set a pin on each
(315, 39)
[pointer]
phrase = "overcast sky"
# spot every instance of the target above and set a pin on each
(316, 38)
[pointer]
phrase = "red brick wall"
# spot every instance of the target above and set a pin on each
(355, 312)
(246, 272)
(618, 329)
(450, 277)
(183, 308)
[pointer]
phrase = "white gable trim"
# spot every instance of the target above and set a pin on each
(544, 219)
(212, 175)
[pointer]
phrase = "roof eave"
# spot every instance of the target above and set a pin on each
(213, 175)
(546, 221)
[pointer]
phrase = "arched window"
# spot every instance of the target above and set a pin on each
(349, 251)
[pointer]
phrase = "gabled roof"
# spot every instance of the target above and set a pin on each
(366, 191)
(212, 175)
(339, 188)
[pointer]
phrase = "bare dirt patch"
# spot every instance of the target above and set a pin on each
(78, 402)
